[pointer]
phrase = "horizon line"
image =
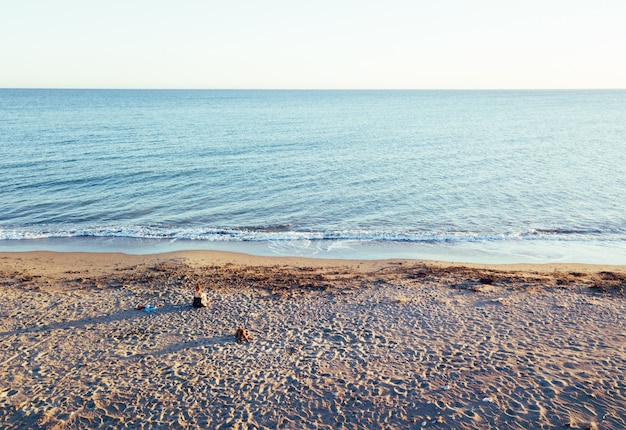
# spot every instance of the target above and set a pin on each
(309, 89)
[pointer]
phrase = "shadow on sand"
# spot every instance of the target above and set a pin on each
(123, 315)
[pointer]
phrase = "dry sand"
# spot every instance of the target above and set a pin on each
(335, 344)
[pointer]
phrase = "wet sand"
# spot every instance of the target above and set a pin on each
(334, 344)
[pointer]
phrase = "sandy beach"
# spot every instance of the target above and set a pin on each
(334, 344)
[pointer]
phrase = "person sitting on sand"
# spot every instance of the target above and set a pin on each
(199, 298)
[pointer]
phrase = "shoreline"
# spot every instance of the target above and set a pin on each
(505, 252)
(334, 343)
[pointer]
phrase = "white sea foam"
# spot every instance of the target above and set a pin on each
(339, 239)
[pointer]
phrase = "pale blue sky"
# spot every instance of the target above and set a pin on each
(313, 44)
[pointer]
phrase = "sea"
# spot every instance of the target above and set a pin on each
(470, 176)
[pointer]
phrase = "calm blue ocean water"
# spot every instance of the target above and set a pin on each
(454, 175)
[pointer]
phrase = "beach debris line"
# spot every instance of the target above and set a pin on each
(242, 335)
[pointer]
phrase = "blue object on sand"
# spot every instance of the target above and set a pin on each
(149, 308)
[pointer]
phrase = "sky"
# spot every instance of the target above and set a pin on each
(321, 44)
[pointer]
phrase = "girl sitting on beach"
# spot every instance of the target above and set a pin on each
(199, 298)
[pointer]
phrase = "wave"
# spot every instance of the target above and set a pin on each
(284, 233)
